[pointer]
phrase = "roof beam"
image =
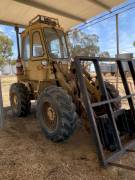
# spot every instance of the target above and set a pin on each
(45, 7)
(7, 23)
(101, 4)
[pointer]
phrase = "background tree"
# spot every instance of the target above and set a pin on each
(82, 44)
(5, 49)
(13, 62)
(104, 54)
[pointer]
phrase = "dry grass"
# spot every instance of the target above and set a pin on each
(25, 154)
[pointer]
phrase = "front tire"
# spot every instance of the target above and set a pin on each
(19, 99)
(56, 114)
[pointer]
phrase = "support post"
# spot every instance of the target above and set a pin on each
(17, 40)
(117, 45)
(1, 108)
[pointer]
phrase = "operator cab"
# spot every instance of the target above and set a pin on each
(43, 42)
(50, 39)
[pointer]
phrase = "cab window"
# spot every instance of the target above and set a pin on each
(37, 48)
(56, 43)
(26, 48)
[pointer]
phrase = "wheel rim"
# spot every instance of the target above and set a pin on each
(14, 102)
(49, 116)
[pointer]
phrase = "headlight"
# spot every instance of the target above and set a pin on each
(44, 63)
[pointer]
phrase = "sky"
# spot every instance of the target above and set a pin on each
(106, 31)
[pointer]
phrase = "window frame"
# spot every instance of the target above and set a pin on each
(37, 31)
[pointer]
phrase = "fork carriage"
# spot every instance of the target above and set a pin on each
(113, 132)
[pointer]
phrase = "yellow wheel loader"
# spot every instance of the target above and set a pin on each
(65, 90)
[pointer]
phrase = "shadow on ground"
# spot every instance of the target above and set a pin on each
(25, 154)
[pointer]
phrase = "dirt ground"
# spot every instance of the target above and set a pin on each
(25, 154)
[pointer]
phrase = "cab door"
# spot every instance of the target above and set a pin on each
(34, 53)
(38, 55)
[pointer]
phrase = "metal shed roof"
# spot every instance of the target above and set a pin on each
(69, 12)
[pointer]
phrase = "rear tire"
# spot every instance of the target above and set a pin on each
(56, 114)
(113, 93)
(20, 100)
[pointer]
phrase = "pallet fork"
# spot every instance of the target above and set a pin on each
(107, 130)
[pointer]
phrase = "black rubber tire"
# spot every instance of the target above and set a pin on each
(65, 109)
(113, 93)
(23, 99)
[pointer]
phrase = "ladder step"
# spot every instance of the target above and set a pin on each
(122, 166)
(130, 150)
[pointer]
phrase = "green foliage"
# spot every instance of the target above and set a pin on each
(134, 43)
(82, 44)
(13, 62)
(5, 48)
